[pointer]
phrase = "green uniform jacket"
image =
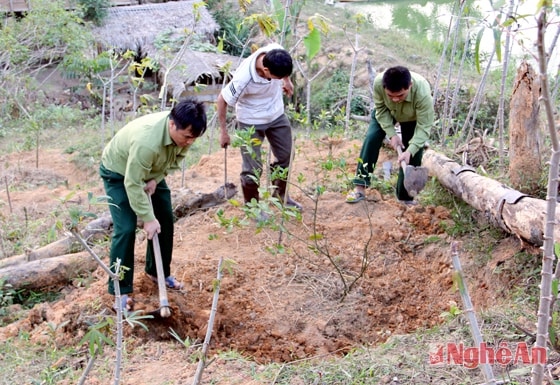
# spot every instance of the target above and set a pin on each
(417, 107)
(140, 151)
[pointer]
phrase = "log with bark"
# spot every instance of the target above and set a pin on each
(507, 208)
(98, 227)
(67, 252)
(44, 273)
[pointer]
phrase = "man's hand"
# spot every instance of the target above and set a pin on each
(225, 140)
(150, 187)
(405, 156)
(287, 86)
(396, 142)
(151, 228)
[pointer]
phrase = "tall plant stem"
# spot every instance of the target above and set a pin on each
(503, 86)
(115, 278)
(546, 299)
(442, 59)
(213, 311)
(473, 110)
(471, 316)
(290, 168)
(446, 122)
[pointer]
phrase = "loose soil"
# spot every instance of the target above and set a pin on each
(273, 307)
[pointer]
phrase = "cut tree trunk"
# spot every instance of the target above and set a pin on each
(507, 208)
(525, 138)
(44, 273)
(56, 262)
(68, 245)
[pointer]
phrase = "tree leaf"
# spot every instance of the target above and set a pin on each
(477, 49)
(498, 43)
(279, 13)
(312, 43)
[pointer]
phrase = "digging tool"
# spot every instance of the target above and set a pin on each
(415, 177)
(225, 173)
(164, 310)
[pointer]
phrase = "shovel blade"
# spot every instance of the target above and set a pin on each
(415, 179)
(161, 313)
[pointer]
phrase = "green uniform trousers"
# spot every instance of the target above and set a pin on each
(370, 153)
(124, 229)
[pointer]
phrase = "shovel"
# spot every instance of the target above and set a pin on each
(225, 173)
(164, 310)
(228, 190)
(415, 177)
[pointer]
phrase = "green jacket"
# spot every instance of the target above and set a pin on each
(417, 107)
(140, 151)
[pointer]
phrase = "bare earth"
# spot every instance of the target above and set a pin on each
(272, 307)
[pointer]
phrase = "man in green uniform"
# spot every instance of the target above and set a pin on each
(403, 97)
(133, 165)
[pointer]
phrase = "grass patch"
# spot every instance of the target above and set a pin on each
(16, 354)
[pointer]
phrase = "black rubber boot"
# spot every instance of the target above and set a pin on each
(280, 192)
(250, 191)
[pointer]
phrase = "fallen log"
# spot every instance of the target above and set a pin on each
(185, 203)
(509, 209)
(68, 245)
(49, 272)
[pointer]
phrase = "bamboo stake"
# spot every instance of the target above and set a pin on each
(505, 66)
(8, 194)
(546, 297)
(206, 343)
(285, 199)
(443, 59)
(115, 277)
(456, 28)
(471, 316)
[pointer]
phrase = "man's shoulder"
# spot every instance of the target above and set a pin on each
(148, 119)
(416, 77)
(269, 47)
(420, 83)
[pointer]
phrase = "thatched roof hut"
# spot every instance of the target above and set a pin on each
(195, 68)
(137, 27)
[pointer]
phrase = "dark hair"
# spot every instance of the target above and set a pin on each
(189, 112)
(396, 79)
(279, 62)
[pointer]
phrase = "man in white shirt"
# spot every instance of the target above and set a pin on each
(256, 92)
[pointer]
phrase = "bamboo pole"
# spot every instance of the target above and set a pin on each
(8, 194)
(546, 297)
(206, 343)
(471, 316)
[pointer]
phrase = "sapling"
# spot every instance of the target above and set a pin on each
(213, 311)
(547, 275)
(76, 216)
(469, 311)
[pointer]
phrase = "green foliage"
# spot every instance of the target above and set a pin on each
(48, 26)
(94, 10)
(230, 223)
(312, 42)
(232, 33)
(330, 95)
(48, 34)
(186, 342)
(454, 310)
(7, 294)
